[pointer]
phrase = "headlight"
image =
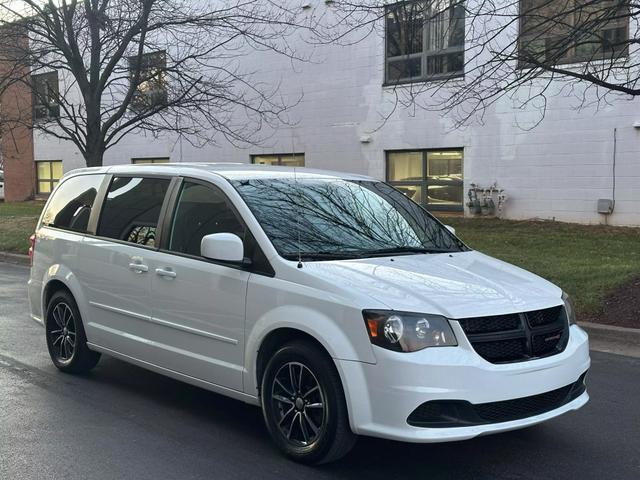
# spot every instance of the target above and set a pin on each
(408, 332)
(569, 308)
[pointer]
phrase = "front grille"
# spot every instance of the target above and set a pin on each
(496, 323)
(519, 336)
(547, 316)
(546, 343)
(502, 350)
(522, 407)
(460, 413)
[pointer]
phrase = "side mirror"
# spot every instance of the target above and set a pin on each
(225, 247)
(450, 228)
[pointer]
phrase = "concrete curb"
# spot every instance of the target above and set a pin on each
(611, 332)
(608, 338)
(14, 258)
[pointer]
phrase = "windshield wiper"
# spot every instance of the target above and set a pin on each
(310, 256)
(403, 250)
(379, 252)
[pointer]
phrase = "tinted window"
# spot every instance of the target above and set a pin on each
(132, 209)
(325, 218)
(70, 207)
(201, 210)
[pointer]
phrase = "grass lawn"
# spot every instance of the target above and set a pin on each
(587, 261)
(17, 223)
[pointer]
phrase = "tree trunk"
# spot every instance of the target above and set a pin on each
(94, 157)
(95, 147)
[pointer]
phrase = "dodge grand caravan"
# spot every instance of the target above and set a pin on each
(332, 301)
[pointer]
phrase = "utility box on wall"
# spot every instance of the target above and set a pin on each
(605, 206)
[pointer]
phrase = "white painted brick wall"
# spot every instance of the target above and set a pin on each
(558, 170)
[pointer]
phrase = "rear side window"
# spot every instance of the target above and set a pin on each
(201, 210)
(132, 209)
(71, 204)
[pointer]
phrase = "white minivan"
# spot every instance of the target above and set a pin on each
(331, 300)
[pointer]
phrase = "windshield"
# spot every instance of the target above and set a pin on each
(319, 218)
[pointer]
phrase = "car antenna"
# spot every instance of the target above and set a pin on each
(295, 181)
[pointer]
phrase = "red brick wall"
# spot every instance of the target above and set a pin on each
(16, 138)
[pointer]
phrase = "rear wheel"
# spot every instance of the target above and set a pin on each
(304, 406)
(66, 340)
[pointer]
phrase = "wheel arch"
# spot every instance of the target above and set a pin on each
(275, 340)
(53, 286)
(60, 277)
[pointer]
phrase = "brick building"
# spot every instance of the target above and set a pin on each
(16, 138)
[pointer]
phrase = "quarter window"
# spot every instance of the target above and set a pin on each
(554, 32)
(132, 209)
(285, 160)
(48, 174)
(424, 40)
(70, 207)
(201, 210)
(430, 177)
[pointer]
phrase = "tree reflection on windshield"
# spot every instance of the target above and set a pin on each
(325, 218)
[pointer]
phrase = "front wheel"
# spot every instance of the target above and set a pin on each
(66, 340)
(304, 406)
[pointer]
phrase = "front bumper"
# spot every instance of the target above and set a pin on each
(381, 396)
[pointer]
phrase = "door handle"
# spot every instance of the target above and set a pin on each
(166, 273)
(138, 267)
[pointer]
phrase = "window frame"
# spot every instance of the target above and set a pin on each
(95, 208)
(161, 217)
(164, 221)
(149, 160)
(279, 157)
(568, 60)
(52, 110)
(160, 96)
(424, 182)
(424, 55)
(172, 206)
(53, 183)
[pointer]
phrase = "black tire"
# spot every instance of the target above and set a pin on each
(63, 323)
(318, 383)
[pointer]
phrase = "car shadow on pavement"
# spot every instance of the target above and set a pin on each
(204, 420)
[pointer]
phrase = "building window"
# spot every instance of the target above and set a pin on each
(285, 160)
(424, 40)
(430, 177)
(45, 92)
(48, 173)
(556, 32)
(138, 161)
(151, 88)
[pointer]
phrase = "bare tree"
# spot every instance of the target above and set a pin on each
(461, 57)
(101, 69)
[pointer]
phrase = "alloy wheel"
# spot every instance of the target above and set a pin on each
(299, 404)
(62, 332)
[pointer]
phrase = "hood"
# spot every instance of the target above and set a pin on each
(456, 285)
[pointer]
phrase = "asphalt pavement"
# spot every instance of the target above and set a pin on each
(123, 422)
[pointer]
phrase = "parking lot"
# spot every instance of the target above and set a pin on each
(124, 422)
